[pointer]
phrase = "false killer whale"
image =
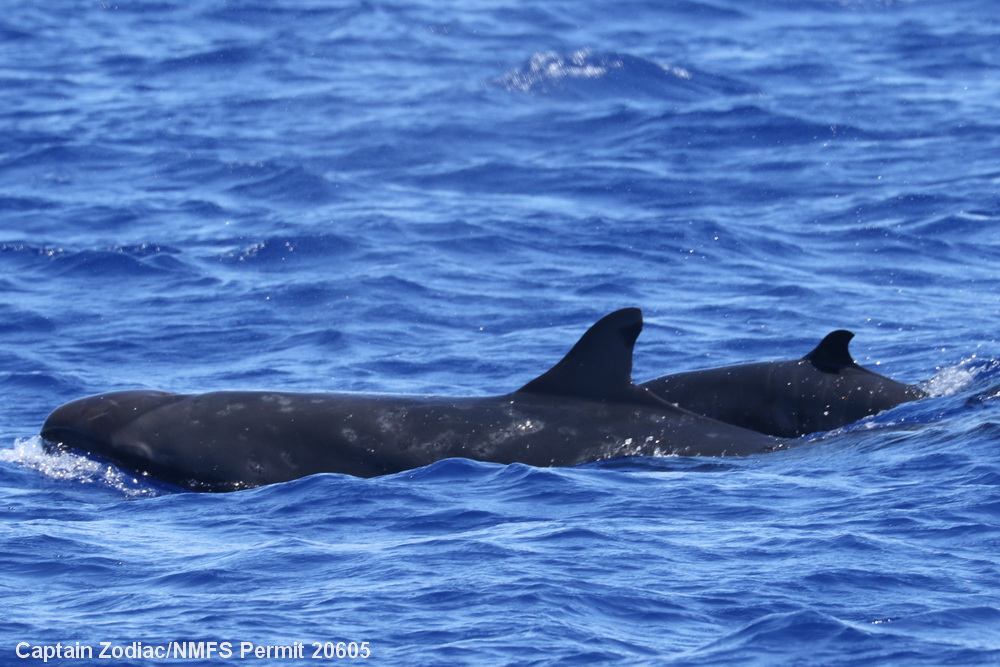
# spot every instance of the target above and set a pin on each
(822, 391)
(585, 408)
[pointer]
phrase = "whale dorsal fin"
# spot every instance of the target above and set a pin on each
(600, 364)
(832, 353)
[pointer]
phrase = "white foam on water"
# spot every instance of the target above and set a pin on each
(67, 466)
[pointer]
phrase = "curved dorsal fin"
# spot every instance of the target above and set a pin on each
(832, 353)
(600, 364)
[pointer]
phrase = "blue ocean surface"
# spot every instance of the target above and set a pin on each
(417, 197)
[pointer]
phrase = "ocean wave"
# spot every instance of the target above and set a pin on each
(278, 252)
(607, 74)
(781, 635)
(109, 262)
(296, 184)
(119, 262)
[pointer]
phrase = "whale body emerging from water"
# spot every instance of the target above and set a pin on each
(584, 409)
(822, 391)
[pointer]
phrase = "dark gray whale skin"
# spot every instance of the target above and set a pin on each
(822, 391)
(584, 409)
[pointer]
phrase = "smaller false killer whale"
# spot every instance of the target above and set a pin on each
(585, 408)
(822, 391)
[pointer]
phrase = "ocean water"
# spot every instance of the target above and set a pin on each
(417, 197)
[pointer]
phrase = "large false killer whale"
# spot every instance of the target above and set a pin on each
(822, 391)
(585, 408)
